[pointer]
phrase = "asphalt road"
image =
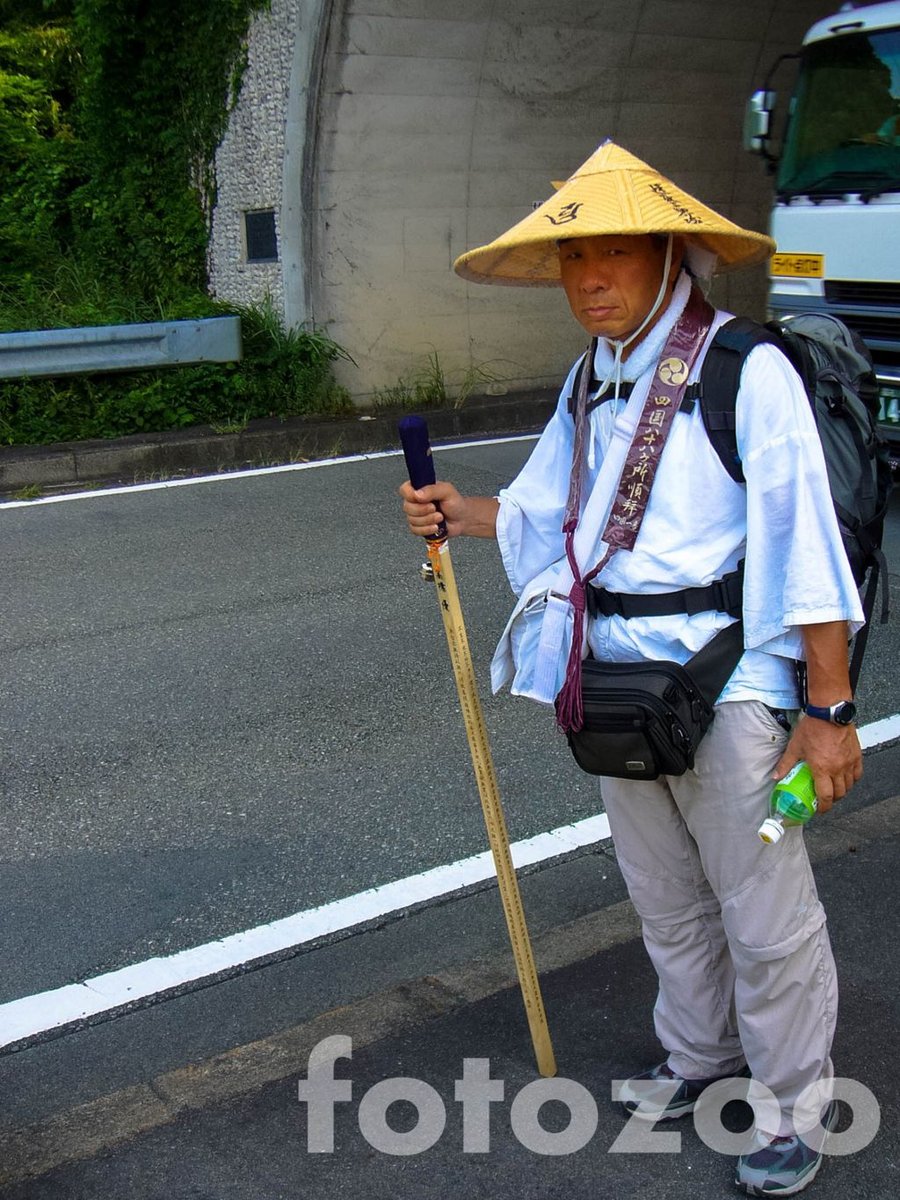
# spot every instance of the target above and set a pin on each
(227, 702)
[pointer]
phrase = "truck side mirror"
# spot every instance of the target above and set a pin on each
(758, 121)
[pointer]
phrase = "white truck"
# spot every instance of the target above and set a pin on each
(836, 216)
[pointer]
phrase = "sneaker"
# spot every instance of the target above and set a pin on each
(636, 1095)
(782, 1166)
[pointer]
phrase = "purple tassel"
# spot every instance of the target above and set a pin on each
(569, 705)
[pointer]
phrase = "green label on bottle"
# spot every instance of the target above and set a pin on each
(794, 796)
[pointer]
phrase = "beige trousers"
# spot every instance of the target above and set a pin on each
(734, 927)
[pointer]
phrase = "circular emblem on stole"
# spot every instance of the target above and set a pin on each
(673, 370)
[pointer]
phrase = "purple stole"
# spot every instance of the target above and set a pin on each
(633, 490)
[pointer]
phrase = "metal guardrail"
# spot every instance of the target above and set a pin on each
(119, 347)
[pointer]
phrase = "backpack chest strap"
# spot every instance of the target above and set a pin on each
(690, 397)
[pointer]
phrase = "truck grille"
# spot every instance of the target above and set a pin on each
(852, 291)
(872, 328)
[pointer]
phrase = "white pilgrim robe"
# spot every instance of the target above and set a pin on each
(698, 525)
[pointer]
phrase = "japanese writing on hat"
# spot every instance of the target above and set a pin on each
(612, 193)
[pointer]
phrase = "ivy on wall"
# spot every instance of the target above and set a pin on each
(110, 115)
(157, 81)
(38, 145)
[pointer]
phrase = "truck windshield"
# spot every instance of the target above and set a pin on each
(844, 129)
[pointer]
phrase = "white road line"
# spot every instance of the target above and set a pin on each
(226, 476)
(879, 732)
(33, 1015)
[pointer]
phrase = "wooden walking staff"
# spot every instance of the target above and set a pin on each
(414, 438)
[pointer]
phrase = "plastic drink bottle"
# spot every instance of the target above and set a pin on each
(793, 803)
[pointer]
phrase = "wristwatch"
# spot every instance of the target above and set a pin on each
(842, 713)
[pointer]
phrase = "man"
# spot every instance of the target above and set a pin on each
(734, 928)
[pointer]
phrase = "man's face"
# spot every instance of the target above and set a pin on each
(611, 282)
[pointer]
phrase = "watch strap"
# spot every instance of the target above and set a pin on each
(829, 713)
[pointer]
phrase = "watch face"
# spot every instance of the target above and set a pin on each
(845, 713)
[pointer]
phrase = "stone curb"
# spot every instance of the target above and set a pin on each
(200, 450)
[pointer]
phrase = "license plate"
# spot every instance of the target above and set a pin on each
(806, 266)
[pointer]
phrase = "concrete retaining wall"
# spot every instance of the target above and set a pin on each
(406, 131)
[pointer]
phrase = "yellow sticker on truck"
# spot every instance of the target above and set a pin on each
(804, 266)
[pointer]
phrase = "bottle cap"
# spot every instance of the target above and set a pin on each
(771, 830)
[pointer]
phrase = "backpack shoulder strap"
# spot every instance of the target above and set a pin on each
(720, 377)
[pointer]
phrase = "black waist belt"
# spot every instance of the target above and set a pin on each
(725, 595)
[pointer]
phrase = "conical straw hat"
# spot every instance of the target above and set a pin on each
(612, 193)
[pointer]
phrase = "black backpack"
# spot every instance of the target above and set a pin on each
(837, 372)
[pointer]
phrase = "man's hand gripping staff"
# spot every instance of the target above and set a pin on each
(435, 525)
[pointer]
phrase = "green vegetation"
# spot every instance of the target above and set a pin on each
(429, 388)
(110, 115)
(31, 491)
(284, 373)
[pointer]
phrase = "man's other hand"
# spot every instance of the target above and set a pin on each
(833, 754)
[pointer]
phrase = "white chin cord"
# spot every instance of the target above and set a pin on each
(619, 346)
